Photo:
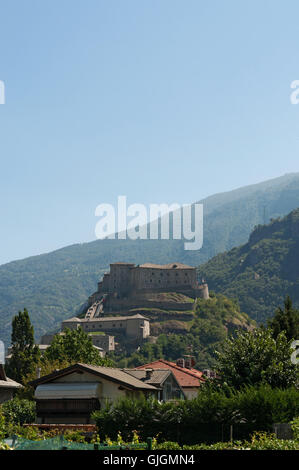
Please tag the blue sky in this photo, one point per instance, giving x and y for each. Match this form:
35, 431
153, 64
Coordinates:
161, 101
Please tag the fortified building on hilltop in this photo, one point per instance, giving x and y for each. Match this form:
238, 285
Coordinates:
127, 290
126, 279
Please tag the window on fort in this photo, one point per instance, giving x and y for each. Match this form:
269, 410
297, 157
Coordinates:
113, 324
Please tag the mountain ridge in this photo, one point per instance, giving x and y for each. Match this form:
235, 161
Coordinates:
52, 286
262, 272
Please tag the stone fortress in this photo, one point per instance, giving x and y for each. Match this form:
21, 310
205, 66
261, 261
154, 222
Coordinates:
113, 308
126, 279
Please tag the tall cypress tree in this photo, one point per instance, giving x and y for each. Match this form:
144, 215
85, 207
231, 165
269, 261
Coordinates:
25, 354
287, 320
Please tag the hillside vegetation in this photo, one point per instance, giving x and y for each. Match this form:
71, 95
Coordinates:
53, 286
203, 332
261, 273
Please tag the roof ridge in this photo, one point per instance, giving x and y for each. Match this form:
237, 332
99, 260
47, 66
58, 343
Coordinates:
174, 365
183, 369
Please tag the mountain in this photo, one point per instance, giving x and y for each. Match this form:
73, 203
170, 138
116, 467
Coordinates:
261, 272
52, 286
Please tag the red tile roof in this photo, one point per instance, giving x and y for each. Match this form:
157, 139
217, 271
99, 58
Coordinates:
185, 377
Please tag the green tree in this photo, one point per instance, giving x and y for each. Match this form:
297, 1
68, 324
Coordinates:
25, 354
19, 411
286, 320
74, 346
256, 357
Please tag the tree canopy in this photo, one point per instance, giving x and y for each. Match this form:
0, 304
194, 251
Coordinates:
74, 346
256, 357
287, 320
25, 354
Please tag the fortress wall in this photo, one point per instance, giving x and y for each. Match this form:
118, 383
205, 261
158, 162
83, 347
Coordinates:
105, 342
126, 279
127, 304
147, 278
137, 329
106, 283
120, 278
133, 327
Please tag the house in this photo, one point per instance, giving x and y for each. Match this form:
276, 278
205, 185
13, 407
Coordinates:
188, 378
163, 379
7, 386
70, 395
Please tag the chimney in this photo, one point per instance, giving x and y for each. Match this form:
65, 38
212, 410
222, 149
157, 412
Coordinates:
189, 361
180, 362
148, 374
38, 371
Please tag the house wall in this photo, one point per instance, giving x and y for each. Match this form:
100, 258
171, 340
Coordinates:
6, 394
171, 389
190, 392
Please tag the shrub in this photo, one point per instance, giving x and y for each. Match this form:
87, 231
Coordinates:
295, 427
168, 445
17, 411
207, 418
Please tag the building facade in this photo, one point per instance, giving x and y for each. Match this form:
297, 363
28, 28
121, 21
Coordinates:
127, 278
134, 326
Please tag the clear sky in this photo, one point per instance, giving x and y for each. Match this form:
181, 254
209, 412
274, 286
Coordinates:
159, 100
